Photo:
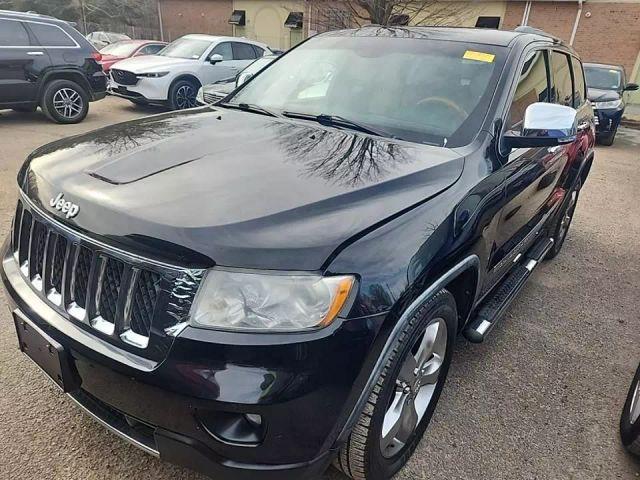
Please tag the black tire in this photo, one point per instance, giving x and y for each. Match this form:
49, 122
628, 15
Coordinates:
563, 221
71, 102
607, 140
25, 109
629, 426
362, 457
182, 94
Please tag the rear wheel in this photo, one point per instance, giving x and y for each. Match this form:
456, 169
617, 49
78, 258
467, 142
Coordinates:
404, 398
565, 217
64, 101
182, 94
630, 419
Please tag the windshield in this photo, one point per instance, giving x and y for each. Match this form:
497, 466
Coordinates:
603, 78
115, 37
190, 48
120, 49
415, 89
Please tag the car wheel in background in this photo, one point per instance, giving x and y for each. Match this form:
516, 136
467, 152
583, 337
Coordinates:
404, 398
64, 101
182, 94
630, 419
565, 216
607, 140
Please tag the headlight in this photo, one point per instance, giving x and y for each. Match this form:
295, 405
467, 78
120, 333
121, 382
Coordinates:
611, 104
268, 302
152, 74
200, 96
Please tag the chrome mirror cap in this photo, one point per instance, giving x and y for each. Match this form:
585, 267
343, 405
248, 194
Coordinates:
544, 125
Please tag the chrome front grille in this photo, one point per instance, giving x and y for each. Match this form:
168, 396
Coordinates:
116, 295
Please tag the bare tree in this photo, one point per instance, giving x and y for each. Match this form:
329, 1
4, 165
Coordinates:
337, 14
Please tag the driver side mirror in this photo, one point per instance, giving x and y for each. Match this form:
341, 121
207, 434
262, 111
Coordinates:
544, 125
631, 87
215, 58
242, 79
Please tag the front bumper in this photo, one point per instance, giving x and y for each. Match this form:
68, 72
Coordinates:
302, 388
607, 120
150, 89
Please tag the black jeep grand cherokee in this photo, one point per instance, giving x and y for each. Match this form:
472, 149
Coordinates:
46, 62
257, 288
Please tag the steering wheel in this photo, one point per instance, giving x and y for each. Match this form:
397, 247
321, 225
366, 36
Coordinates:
447, 103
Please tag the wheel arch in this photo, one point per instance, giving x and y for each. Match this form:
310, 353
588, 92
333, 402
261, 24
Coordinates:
66, 74
463, 278
186, 76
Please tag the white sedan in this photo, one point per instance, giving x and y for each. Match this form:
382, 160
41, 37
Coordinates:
174, 75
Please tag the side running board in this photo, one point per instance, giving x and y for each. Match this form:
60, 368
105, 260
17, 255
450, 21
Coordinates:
493, 307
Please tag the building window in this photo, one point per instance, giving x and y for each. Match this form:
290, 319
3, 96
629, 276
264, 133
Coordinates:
294, 20
488, 22
237, 18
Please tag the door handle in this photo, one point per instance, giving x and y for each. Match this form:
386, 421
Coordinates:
35, 54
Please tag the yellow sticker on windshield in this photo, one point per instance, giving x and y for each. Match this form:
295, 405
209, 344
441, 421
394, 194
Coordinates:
479, 56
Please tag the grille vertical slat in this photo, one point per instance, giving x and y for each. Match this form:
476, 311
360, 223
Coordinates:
80, 281
144, 301
110, 289
15, 240
36, 249
25, 237
57, 262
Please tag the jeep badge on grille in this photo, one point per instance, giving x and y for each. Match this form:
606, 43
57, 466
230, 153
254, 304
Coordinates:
69, 209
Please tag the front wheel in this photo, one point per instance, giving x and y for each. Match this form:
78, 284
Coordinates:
630, 419
182, 94
64, 101
404, 398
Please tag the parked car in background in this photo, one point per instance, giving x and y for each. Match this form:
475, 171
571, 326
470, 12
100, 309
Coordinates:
214, 92
606, 86
46, 62
102, 39
260, 287
117, 51
630, 418
174, 75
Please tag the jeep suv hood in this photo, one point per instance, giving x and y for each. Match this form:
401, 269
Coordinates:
208, 186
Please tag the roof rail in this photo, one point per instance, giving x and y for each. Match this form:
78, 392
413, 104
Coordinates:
30, 13
537, 31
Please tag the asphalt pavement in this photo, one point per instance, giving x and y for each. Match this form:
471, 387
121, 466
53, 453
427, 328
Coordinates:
540, 399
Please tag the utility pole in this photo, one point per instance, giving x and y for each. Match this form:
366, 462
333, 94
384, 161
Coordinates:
160, 21
84, 17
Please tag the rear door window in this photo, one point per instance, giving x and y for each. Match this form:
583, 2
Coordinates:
562, 90
13, 34
533, 86
51, 35
243, 51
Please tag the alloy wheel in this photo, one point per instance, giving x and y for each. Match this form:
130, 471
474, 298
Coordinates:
185, 97
68, 103
415, 387
634, 408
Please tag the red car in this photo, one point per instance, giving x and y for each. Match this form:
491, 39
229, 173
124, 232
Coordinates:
128, 48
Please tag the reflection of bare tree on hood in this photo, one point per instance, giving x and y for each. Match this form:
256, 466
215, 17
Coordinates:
340, 158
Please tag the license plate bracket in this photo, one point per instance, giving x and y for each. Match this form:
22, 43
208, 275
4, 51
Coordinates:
46, 353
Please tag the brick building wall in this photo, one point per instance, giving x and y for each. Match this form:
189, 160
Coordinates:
609, 32
180, 17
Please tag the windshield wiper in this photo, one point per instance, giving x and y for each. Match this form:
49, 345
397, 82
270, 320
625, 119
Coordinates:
338, 121
249, 107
